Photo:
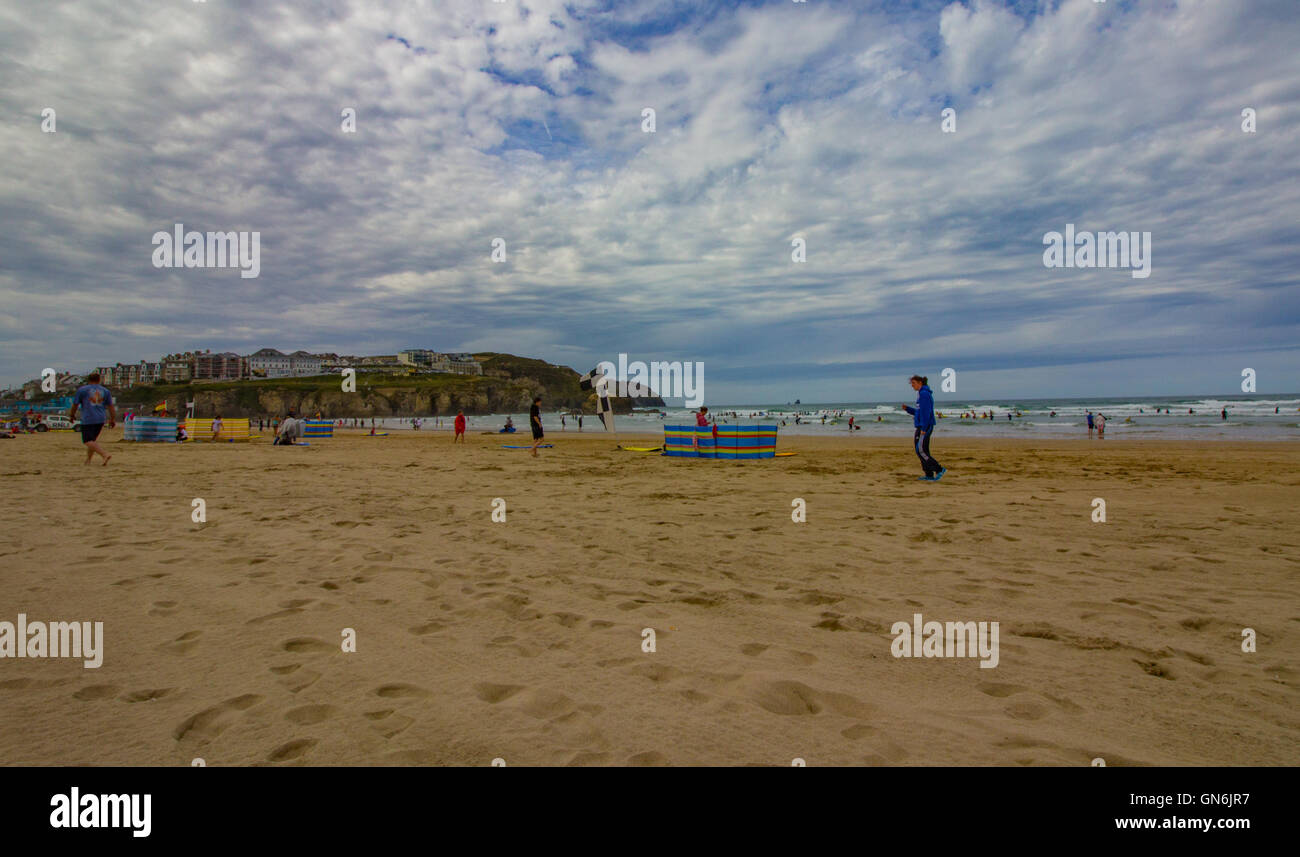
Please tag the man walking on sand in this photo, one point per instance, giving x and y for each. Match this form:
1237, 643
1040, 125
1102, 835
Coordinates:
460, 427
535, 420
94, 401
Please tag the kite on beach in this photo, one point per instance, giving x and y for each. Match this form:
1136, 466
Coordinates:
598, 381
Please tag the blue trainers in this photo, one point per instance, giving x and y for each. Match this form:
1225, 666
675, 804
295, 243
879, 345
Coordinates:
925, 479
939, 475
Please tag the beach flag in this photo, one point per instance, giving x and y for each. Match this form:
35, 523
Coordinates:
597, 380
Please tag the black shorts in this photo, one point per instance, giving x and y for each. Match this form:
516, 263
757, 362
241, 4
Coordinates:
90, 431
538, 434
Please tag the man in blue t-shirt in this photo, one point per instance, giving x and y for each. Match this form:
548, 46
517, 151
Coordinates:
96, 404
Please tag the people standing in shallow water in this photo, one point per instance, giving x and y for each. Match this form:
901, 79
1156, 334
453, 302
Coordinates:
923, 420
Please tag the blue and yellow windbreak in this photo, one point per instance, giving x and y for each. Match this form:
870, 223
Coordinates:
151, 429
733, 442
318, 428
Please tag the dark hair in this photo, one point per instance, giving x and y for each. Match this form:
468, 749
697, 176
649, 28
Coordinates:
536, 399
93, 377
924, 380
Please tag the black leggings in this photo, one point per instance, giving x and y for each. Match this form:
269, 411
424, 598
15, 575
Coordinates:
922, 443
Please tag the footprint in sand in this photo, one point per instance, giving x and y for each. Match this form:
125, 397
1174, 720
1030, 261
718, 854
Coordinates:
278, 614
96, 691
307, 644
211, 722
292, 750
541, 703
146, 695
1025, 710
1000, 690
793, 698
494, 693
658, 673
295, 677
183, 643
388, 723
306, 715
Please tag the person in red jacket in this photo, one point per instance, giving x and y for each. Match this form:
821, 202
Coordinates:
460, 427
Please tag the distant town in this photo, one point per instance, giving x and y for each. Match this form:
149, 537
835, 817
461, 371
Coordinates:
206, 367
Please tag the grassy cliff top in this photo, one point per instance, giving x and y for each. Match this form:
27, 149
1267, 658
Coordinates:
496, 369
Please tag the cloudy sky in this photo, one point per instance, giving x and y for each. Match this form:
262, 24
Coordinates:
523, 120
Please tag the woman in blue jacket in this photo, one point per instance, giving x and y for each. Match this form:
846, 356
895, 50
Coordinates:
923, 419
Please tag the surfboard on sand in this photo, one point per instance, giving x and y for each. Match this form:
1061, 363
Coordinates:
641, 448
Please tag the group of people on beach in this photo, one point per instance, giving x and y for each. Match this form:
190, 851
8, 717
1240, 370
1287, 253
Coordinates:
96, 405
1097, 421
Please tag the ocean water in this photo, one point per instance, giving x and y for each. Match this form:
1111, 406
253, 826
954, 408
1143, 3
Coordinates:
1250, 417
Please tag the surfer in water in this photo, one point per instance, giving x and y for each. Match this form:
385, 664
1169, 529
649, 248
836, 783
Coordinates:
923, 420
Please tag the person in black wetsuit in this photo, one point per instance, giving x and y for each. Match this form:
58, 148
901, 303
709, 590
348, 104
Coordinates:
535, 420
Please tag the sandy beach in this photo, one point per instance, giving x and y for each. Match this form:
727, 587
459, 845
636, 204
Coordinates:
522, 640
